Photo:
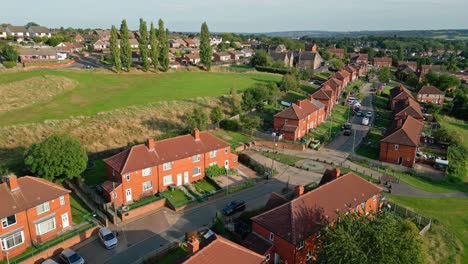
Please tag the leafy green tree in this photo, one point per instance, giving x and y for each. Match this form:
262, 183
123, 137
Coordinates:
235, 101
37, 39
460, 105
250, 124
197, 119
337, 63
325, 54
289, 83
31, 24
216, 115
357, 238
56, 158
125, 47
384, 74
10, 53
261, 58
143, 44
447, 81
431, 78
154, 52
163, 47
400, 54
257, 95
115, 50
451, 63
205, 48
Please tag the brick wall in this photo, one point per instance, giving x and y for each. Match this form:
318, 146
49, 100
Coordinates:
390, 155
151, 207
282, 145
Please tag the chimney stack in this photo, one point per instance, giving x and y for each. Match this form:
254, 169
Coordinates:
12, 183
336, 172
193, 244
196, 134
150, 144
399, 122
300, 103
299, 190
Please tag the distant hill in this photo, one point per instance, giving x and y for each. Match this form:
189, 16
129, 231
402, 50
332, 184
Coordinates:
456, 34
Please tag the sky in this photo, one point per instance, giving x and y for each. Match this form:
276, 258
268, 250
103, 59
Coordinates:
243, 15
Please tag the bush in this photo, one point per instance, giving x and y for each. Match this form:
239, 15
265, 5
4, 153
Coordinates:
260, 169
272, 70
457, 164
9, 64
229, 124
214, 171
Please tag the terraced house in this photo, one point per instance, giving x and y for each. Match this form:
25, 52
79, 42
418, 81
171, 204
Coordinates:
430, 94
150, 168
32, 211
286, 233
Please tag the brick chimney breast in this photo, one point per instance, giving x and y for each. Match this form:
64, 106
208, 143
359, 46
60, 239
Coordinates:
12, 183
299, 190
150, 144
300, 103
193, 245
196, 134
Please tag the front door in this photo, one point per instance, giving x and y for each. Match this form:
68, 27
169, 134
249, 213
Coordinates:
226, 164
128, 194
179, 179
186, 177
277, 259
400, 160
65, 222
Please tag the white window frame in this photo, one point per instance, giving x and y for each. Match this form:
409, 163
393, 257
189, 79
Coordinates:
198, 173
39, 232
5, 221
267, 258
309, 255
114, 195
213, 153
62, 200
301, 245
396, 146
4, 244
45, 208
127, 177
145, 187
146, 172
167, 166
285, 121
272, 236
165, 182
196, 158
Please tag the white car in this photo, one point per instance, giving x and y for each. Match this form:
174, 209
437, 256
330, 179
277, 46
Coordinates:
365, 121
108, 239
71, 257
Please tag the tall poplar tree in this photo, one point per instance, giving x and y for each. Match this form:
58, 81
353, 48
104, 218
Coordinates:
164, 47
125, 48
115, 50
205, 48
143, 44
154, 52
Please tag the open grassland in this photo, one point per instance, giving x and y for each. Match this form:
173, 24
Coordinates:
99, 92
459, 126
452, 214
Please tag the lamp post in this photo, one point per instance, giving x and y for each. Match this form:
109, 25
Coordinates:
227, 179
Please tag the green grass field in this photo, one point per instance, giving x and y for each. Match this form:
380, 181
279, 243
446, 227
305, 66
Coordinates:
96, 175
98, 92
78, 209
283, 158
236, 139
451, 212
453, 124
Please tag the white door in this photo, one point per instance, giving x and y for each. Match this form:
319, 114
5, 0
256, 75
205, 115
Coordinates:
128, 194
186, 177
65, 222
179, 179
226, 164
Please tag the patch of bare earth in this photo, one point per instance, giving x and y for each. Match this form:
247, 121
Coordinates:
33, 90
108, 130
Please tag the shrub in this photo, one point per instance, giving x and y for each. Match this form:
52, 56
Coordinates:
9, 64
272, 70
229, 124
259, 168
214, 171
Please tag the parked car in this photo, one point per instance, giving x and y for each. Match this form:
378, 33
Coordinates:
369, 114
71, 257
365, 121
49, 261
315, 144
347, 132
108, 239
359, 113
233, 207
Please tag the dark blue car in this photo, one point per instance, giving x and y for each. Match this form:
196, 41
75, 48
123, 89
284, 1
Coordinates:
233, 207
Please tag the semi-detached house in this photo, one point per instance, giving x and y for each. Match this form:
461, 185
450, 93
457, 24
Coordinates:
147, 169
32, 211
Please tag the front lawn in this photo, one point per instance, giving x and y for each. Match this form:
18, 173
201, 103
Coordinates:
292, 97
204, 187
176, 197
95, 175
370, 145
79, 210
283, 158
236, 139
338, 119
452, 213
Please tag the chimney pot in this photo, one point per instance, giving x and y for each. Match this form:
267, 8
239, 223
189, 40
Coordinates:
299, 190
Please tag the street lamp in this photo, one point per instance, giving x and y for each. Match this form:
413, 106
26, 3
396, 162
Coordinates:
227, 178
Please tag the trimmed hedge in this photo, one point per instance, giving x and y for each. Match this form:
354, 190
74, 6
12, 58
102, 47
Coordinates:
230, 124
272, 70
257, 167
9, 64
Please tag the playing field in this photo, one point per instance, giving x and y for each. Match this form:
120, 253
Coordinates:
99, 91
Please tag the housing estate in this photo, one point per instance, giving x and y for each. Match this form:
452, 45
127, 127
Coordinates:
39, 31
32, 211
410, 64
383, 62
399, 94
222, 56
339, 53
19, 33
286, 233
430, 94
3, 33
147, 169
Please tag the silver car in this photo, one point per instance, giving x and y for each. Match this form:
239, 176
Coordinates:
108, 239
71, 257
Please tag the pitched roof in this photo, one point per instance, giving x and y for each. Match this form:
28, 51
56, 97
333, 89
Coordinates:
383, 59
139, 157
342, 75
257, 243
224, 251
17, 29
429, 89
32, 192
431, 67
221, 54
275, 200
279, 56
299, 218
409, 63
320, 95
298, 112
408, 134
408, 107
400, 92
47, 51
350, 69
39, 29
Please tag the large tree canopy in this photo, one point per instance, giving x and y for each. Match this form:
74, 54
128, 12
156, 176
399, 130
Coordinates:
56, 158
384, 238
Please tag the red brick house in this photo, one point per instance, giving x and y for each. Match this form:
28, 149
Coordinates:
344, 76
291, 228
150, 168
336, 85
236, 55
410, 64
401, 142
353, 71
383, 62
33, 210
426, 68
220, 250
359, 58
326, 96
297, 120
398, 94
408, 108
430, 94
339, 53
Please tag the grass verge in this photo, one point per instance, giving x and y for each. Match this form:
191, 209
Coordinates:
78, 209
